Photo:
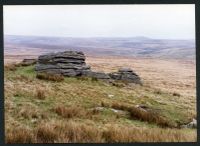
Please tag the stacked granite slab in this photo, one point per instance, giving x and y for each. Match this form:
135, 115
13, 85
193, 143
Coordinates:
126, 74
68, 63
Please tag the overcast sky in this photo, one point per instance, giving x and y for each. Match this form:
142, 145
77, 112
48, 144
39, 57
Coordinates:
155, 21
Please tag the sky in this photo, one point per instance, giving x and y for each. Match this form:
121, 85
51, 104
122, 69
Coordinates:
154, 21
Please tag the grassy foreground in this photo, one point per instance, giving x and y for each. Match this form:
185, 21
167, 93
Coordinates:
86, 110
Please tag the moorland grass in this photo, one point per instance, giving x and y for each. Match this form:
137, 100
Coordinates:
45, 107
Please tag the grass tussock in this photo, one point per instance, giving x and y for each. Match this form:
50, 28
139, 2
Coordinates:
19, 135
22, 78
29, 113
40, 93
94, 79
157, 91
118, 106
69, 132
176, 94
83, 78
144, 115
118, 84
10, 67
46, 133
81, 133
73, 132
149, 116
70, 112
131, 134
50, 77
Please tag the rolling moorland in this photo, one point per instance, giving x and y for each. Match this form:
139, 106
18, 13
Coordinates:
89, 110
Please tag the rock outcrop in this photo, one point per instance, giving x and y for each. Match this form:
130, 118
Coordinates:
127, 75
72, 63
68, 63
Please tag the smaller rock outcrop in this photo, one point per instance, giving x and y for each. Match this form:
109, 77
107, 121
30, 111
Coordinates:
126, 74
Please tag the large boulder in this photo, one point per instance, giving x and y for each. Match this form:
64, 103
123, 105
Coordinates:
127, 75
68, 63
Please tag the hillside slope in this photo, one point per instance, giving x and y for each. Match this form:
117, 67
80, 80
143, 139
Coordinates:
133, 47
87, 110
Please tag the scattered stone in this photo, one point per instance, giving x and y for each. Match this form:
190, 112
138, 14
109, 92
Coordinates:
192, 124
142, 106
114, 110
99, 109
110, 95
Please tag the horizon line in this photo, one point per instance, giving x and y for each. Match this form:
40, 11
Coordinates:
145, 37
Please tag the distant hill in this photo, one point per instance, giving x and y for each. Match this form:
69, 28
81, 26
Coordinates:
132, 46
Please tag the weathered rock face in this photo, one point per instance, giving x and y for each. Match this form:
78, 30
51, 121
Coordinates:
68, 63
126, 74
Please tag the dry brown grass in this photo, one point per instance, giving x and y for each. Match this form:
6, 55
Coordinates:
50, 77
144, 115
10, 67
22, 78
170, 74
19, 90
176, 94
81, 133
150, 116
73, 132
118, 106
70, 112
19, 135
131, 134
40, 93
31, 111
46, 133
